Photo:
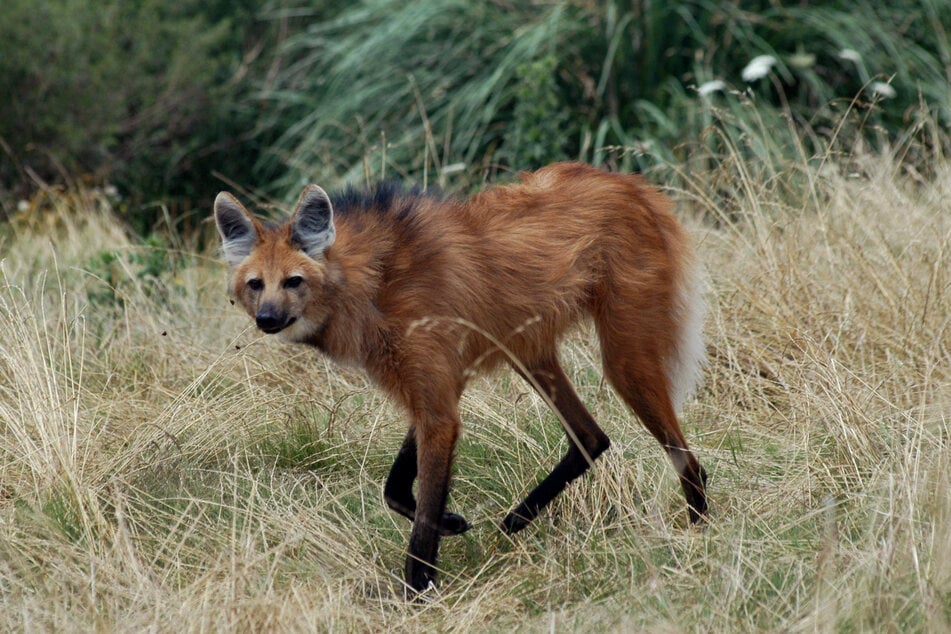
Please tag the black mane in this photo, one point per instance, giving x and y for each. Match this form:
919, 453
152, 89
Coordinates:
389, 197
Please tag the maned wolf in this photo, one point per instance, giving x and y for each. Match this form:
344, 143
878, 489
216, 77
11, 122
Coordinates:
423, 291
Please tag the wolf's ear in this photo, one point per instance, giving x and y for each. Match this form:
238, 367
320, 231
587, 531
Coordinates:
312, 225
238, 231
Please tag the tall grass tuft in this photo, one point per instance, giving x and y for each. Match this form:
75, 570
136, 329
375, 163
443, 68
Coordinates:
385, 87
388, 86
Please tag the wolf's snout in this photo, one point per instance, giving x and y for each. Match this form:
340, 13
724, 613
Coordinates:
271, 320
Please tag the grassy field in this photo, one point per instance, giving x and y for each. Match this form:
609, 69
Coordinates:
165, 468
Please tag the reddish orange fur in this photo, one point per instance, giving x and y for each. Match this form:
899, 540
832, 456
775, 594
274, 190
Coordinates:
518, 265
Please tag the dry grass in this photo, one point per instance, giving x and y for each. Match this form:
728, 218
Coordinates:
164, 468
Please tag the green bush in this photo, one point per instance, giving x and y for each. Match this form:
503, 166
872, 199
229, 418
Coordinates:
539, 118
175, 100
139, 92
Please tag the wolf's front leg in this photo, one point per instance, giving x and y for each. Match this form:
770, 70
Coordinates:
436, 437
398, 491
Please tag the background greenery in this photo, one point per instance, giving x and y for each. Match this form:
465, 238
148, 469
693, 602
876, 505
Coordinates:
171, 101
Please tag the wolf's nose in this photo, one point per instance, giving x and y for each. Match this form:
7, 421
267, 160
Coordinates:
269, 320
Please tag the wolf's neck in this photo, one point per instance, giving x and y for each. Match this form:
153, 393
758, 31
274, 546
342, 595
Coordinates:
353, 330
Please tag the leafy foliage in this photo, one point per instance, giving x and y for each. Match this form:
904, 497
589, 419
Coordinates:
167, 100
539, 120
141, 93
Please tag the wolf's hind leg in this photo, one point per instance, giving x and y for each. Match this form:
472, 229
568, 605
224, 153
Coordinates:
586, 441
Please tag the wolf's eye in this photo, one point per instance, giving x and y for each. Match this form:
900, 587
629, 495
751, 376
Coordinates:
255, 284
293, 282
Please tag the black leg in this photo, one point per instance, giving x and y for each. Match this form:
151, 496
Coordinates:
436, 444
398, 491
587, 442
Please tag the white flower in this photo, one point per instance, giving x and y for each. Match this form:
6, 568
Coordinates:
709, 87
881, 89
23, 205
850, 54
758, 67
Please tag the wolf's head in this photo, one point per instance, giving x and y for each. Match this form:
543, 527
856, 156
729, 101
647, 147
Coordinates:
279, 274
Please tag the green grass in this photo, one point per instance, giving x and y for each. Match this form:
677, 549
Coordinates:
264, 96
164, 467
386, 88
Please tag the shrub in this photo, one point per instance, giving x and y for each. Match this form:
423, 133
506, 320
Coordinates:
142, 93
167, 100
